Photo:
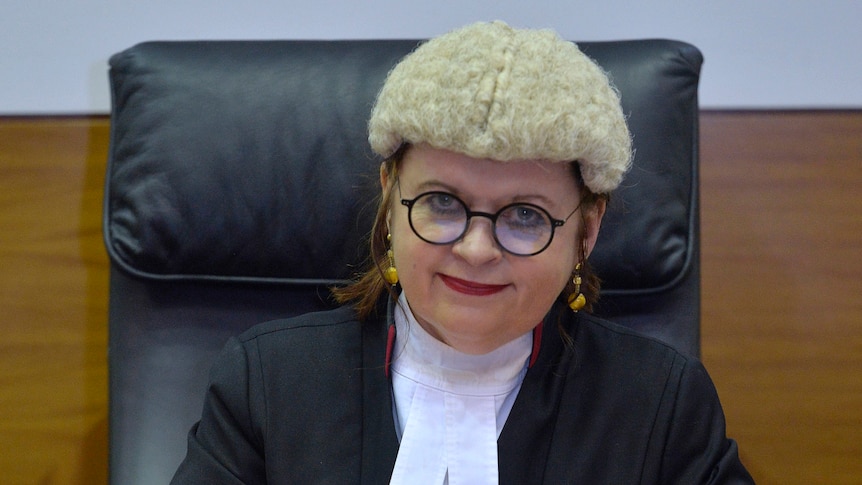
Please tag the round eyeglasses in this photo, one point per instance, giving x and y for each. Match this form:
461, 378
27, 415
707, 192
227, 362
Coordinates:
521, 229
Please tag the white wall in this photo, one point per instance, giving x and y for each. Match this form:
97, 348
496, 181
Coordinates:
759, 53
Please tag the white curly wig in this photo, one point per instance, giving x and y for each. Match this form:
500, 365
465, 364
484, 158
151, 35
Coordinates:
491, 91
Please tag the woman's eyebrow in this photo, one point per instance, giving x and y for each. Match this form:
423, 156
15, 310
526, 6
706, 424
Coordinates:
533, 198
434, 184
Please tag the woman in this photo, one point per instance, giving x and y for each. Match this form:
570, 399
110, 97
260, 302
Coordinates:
466, 353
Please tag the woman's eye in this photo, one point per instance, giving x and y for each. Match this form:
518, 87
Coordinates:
442, 203
441, 200
524, 216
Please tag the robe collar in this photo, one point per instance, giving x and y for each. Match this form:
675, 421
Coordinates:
392, 332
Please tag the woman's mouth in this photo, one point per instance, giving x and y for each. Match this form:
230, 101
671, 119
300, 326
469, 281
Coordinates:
471, 287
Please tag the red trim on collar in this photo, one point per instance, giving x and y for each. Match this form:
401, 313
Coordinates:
390, 342
537, 343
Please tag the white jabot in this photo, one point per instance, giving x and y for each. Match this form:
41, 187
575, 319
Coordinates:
450, 407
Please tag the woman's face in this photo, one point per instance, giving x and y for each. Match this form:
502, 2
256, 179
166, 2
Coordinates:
471, 294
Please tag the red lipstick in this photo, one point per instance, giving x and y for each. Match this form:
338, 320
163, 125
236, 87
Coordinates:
470, 287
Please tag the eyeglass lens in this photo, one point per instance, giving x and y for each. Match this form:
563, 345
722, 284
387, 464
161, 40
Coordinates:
442, 218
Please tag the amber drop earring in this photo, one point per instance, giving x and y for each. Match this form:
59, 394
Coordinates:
577, 301
391, 273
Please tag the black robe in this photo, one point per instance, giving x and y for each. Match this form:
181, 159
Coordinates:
308, 401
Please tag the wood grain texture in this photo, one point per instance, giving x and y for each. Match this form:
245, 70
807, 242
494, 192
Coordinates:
782, 275
782, 278
53, 307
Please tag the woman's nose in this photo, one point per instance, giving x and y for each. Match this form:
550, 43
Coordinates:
478, 246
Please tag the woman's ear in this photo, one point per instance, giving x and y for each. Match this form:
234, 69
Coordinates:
385, 186
592, 224
384, 177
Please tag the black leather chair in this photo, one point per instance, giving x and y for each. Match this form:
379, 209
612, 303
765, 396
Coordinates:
238, 189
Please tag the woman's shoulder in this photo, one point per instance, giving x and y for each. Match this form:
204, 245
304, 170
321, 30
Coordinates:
599, 335
626, 397
327, 342
335, 320
606, 351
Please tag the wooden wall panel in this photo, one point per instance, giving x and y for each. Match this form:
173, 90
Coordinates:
782, 275
782, 279
53, 307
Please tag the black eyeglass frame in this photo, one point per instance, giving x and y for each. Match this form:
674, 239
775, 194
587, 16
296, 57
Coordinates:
555, 223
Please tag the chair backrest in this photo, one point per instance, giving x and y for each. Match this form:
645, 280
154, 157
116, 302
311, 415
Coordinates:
239, 188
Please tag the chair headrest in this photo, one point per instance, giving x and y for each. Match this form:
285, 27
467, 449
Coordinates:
248, 160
